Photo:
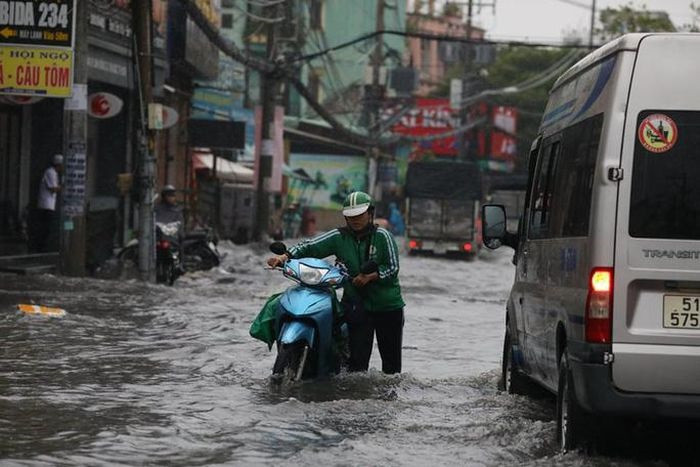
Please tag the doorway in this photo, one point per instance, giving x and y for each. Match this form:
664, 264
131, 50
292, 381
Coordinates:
11, 220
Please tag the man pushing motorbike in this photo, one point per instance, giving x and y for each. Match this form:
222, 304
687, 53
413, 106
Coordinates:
371, 301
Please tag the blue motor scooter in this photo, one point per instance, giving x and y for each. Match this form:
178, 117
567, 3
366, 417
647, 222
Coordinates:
306, 317
310, 334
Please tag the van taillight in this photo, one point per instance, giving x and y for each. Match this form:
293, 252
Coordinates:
599, 306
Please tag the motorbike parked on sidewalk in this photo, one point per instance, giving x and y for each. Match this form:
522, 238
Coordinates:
306, 320
200, 252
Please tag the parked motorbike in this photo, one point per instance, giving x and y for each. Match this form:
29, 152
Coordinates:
310, 334
200, 252
168, 261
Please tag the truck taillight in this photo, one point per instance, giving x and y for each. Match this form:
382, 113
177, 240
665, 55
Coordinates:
599, 306
413, 244
467, 247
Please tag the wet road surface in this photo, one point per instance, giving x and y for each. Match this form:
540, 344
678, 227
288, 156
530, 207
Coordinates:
146, 374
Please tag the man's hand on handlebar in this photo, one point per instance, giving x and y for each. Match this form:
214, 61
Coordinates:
277, 261
362, 280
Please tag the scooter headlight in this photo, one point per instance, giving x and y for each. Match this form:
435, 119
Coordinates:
311, 276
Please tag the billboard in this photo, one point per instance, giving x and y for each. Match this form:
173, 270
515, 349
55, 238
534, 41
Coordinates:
37, 23
331, 179
424, 118
36, 71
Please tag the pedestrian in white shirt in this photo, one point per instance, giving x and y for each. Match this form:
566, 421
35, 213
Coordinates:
46, 218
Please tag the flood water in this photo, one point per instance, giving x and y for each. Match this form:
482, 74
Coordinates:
146, 374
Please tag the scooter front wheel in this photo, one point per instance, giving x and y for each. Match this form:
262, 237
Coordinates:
292, 360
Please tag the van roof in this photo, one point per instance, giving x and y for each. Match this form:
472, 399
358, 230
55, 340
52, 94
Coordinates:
626, 42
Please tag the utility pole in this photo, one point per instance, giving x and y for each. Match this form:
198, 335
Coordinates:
72, 218
465, 151
269, 95
142, 11
375, 99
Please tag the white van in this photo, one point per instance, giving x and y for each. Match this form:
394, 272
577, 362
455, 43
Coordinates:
605, 308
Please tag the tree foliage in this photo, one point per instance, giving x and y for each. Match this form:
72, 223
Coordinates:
618, 21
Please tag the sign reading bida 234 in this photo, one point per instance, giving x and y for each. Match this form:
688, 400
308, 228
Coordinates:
37, 23
36, 47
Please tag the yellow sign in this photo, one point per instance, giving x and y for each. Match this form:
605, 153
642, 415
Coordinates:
36, 71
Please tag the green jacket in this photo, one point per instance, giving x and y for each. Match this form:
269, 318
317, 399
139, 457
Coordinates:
380, 295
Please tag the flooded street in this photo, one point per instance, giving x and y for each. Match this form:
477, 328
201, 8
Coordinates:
137, 374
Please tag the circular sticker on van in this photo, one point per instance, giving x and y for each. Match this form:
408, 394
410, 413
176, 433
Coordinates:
658, 133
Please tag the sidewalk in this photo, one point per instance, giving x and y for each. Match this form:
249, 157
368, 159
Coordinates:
40, 263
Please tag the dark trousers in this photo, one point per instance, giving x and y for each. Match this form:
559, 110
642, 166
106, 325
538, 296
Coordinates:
45, 233
388, 325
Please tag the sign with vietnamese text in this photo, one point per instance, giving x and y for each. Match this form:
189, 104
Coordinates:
37, 23
74, 182
35, 71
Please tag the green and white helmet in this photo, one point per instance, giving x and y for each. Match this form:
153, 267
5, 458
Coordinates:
356, 203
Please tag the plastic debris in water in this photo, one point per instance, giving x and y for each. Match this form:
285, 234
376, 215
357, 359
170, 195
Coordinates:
41, 310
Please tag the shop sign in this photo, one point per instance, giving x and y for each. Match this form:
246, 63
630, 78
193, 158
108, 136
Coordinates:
104, 105
170, 116
161, 117
37, 23
35, 71
428, 118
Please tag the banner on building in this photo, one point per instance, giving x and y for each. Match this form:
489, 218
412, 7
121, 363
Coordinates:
330, 179
424, 119
38, 23
36, 71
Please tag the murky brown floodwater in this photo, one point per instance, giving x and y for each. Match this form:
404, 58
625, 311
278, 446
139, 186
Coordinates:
138, 374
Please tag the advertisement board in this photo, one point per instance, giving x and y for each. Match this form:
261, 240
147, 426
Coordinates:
37, 23
427, 117
331, 179
36, 71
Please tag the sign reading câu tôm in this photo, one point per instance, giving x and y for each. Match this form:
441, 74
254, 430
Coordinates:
39, 23
36, 71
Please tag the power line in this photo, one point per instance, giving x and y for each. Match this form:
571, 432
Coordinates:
437, 37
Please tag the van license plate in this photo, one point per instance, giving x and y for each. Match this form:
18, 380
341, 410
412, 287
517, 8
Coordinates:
682, 311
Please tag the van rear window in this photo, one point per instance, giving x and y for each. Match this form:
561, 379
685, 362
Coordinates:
666, 176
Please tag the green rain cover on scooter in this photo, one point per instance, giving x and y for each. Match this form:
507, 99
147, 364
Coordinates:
263, 327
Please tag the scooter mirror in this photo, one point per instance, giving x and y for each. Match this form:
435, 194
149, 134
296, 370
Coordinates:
369, 267
278, 248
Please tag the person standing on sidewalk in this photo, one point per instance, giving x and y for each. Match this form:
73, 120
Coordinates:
46, 221
372, 302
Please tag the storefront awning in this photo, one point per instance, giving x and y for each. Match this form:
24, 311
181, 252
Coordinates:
225, 169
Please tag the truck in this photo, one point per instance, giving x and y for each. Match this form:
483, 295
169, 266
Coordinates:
442, 206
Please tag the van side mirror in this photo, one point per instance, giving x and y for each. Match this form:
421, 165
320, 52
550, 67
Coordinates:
278, 248
493, 225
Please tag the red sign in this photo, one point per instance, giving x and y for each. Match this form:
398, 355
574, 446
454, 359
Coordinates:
504, 146
425, 118
104, 105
